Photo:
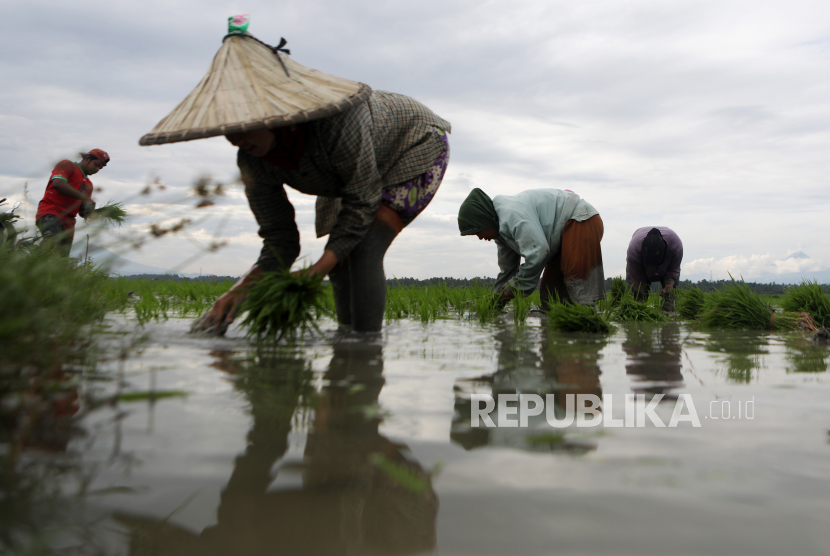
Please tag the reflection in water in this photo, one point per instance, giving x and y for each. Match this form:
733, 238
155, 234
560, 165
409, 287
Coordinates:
653, 358
360, 493
555, 364
805, 356
742, 352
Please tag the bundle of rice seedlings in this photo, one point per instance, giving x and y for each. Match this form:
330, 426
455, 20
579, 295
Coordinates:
573, 317
690, 303
112, 213
281, 304
628, 309
808, 297
618, 289
736, 307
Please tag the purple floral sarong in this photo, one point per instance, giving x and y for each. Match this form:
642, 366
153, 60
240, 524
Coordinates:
411, 197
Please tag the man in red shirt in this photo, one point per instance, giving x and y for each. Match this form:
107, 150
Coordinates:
68, 193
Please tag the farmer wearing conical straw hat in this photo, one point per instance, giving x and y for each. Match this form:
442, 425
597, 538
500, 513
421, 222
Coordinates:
374, 159
556, 232
654, 255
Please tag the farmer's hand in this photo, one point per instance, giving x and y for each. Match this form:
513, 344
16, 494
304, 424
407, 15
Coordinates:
505, 297
221, 315
322, 266
667, 289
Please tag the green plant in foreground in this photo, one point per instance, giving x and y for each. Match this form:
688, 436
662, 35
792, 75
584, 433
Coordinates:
282, 304
736, 307
573, 317
808, 297
690, 303
46, 303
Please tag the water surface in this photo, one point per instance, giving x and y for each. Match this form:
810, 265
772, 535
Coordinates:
348, 444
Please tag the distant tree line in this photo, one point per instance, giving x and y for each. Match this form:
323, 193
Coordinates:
176, 278
450, 282
704, 285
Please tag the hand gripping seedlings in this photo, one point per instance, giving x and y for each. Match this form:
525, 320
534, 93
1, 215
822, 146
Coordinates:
112, 213
282, 304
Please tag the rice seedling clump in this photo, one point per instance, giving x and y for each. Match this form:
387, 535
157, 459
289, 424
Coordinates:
282, 304
628, 308
112, 213
736, 307
617, 290
690, 303
808, 297
573, 317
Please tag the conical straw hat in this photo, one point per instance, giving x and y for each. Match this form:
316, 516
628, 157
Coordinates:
251, 86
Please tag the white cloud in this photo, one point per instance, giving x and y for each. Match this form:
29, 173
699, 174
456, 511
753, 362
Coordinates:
710, 117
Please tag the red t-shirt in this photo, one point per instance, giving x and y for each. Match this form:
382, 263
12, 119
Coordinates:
59, 204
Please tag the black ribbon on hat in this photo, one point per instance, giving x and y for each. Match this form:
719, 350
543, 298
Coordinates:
275, 49
279, 48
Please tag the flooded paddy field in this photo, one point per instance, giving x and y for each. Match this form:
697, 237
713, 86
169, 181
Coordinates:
355, 444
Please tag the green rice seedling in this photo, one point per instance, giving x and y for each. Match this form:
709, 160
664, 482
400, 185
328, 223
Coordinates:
486, 305
521, 307
110, 214
628, 309
808, 297
458, 300
690, 303
397, 303
282, 304
574, 317
618, 289
736, 307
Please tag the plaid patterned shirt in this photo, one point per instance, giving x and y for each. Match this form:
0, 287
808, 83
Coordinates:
347, 161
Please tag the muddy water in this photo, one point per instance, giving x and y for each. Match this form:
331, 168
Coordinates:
364, 445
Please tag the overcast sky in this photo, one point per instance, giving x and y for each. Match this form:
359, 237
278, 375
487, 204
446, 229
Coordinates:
710, 117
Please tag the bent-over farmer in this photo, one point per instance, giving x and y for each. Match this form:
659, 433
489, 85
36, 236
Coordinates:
556, 232
374, 160
654, 255
68, 194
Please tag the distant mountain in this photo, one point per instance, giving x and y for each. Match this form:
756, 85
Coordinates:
799, 255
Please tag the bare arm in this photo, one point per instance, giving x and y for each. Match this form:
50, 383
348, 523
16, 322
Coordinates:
62, 187
223, 312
